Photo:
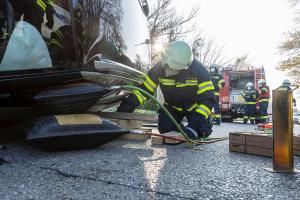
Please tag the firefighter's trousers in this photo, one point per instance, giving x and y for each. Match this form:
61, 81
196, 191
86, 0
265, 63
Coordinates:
217, 110
250, 109
264, 103
195, 121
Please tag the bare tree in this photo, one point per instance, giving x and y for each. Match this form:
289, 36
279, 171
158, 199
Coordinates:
164, 22
291, 48
207, 51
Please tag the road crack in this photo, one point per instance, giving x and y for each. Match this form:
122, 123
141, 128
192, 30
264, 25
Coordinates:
75, 176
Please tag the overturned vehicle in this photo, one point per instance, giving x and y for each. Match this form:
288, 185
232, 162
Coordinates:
58, 63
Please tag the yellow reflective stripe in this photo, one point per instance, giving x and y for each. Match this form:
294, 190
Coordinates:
167, 81
59, 34
185, 84
169, 84
148, 79
205, 86
179, 109
264, 100
148, 87
202, 109
264, 117
217, 93
56, 42
218, 116
41, 4
220, 83
252, 118
139, 95
191, 81
188, 82
50, 2
245, 117
251, 103
172, 82
149, 84
192, 107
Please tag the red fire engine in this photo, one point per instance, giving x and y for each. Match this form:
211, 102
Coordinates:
231, 100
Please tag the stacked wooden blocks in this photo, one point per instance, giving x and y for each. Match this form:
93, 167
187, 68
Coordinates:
128, 124
256, 144
157, 140
136, 135
132, 121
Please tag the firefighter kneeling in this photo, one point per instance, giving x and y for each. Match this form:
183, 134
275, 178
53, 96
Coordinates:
187, 89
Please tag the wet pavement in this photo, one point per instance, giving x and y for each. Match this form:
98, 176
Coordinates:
134, 170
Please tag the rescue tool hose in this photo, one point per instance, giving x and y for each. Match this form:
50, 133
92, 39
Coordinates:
164, 109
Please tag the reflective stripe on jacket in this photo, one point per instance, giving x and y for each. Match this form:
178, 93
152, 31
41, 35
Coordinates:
189, 90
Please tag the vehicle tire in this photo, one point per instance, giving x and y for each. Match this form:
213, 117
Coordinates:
69, 99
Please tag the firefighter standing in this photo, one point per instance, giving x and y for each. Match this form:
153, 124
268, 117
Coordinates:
264, 96
219, 83
250, 95
187, 88
286, 86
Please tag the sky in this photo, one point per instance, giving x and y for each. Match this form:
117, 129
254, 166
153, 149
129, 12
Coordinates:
253, 27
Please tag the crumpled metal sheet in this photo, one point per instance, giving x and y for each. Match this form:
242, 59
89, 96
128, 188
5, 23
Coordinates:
118, 69
106, 79
109, 74
112, 99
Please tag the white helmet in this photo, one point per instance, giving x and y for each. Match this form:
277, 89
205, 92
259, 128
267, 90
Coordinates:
213, 69
261, 82
178, 55
286, 82
249, 84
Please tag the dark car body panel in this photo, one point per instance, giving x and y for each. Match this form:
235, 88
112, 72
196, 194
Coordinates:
114, 30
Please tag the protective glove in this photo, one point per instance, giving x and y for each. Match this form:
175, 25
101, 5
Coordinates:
126, 107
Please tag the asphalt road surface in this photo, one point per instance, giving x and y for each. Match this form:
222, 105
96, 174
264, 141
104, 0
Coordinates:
125, 169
